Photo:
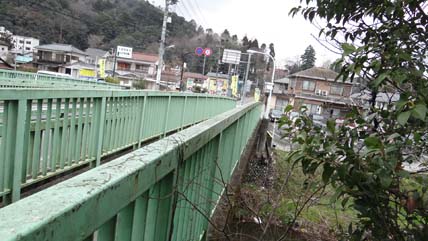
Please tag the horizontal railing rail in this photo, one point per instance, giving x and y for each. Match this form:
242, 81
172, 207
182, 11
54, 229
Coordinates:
164, 191
19, 79
44, 133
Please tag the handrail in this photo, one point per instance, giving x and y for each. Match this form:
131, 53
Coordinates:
45, 132
164, 191
10, 78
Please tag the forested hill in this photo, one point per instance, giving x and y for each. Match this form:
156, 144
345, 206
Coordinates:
107, 23
95, 23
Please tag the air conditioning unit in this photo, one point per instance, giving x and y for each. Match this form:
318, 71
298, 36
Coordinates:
324, 93
318, 92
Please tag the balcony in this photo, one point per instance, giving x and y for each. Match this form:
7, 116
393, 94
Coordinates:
345, 100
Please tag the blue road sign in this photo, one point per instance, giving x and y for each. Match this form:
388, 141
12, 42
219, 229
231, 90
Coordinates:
199, 51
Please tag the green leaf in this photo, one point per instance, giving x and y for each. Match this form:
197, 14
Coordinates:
331, 125
385, 181
403, 117
420, 111
288, 108
328, 171
348, 48
379, 79
372, 142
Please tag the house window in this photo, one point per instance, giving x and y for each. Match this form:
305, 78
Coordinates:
28, 42
123, 66
336, 90
27, 48
21, 41
142, 68
313, 109
321, 92
308, 85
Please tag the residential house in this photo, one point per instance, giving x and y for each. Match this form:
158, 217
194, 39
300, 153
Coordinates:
54, 57
194, 79
5, 65
98, 58
383, 99
80, 70
280, 94
317, 89
141, 66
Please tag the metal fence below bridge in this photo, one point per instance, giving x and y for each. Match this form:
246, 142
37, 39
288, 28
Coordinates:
164, 191
44, 133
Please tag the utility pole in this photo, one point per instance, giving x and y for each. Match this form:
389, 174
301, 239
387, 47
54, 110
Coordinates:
162, 45
114, 62
203, 67
246, 79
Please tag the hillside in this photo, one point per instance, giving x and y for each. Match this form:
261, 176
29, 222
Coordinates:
95, 23
108, 23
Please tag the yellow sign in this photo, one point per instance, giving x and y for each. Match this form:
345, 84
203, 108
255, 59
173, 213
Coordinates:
212, 85
87, 73
234, 85
257, 95
102, 71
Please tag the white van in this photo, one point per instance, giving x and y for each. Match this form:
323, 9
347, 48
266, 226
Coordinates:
56, 74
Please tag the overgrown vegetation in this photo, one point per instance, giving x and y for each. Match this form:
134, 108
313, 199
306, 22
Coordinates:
294, 206
113, 80
139, 84
384, 43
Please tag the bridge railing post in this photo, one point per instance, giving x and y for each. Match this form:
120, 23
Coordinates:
101, 120
15, 113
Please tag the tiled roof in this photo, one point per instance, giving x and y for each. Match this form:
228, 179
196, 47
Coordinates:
194, 75
317, 73
218, 75
96, 52
145, 57
61, 47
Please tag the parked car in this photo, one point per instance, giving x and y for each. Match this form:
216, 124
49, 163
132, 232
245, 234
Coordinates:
275, 115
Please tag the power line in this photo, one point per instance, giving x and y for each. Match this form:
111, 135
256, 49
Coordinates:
201, 13
192, 15
196, 13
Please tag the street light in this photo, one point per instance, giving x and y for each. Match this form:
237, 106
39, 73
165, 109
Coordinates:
250, 51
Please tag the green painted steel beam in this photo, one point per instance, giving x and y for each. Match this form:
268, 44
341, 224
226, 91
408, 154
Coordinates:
76, 208
15, 94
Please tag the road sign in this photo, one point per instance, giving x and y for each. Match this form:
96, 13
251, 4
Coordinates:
208, 52
199, 51
231, 56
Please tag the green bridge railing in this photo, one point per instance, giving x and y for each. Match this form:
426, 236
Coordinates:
44, 133
19, 79
164, 191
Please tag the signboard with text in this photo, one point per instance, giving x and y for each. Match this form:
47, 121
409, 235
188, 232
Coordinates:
231, 56
124, 52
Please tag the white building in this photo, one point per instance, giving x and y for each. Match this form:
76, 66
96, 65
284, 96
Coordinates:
24, 44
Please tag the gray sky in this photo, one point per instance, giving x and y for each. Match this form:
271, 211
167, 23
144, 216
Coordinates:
266, 20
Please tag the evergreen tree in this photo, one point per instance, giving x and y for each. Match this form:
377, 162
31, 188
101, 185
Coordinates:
308, 58
254, 44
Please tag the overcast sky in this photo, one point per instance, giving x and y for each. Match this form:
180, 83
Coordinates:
266, 20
